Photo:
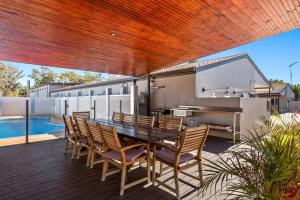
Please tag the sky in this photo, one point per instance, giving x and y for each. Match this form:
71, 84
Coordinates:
272, 55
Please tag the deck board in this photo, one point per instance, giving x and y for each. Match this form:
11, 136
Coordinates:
40, 170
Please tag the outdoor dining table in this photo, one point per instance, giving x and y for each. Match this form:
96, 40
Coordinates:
141, 133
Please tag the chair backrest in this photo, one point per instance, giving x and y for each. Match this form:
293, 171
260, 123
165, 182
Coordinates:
172, 123
193, 139
143, 120
110, 137
82, 127
128, 118
70, 129
117, 117
95, 132
83, 115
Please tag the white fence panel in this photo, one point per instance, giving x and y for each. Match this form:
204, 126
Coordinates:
119, 103
43, 106
62, 106
84, 103
100, 106
57, 106
72, 105
16, 106
12, 106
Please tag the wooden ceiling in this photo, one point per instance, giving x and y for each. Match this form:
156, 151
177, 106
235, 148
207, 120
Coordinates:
134, 37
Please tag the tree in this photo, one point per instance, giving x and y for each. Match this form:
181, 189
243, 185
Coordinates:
43, 76
23, 91
72, 77
276, 81
90, 77
296, 89
9, 79
69, 77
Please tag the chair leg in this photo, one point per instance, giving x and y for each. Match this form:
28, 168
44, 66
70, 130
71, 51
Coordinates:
78, 151
66, 145
148, 164
88, 159
123, 179
154, 169
104, 170
176, 183
92, 160
74, 150
200, 172
161, 168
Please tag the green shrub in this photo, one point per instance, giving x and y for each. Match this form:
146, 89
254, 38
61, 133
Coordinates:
267, 169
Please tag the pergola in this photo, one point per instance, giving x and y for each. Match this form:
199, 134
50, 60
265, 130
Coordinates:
135, 37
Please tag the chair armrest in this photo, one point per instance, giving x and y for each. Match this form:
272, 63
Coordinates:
142, 145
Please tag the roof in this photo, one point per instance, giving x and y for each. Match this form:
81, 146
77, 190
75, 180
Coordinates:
277, 88
93, 84
177, 69
192, 67
63, 83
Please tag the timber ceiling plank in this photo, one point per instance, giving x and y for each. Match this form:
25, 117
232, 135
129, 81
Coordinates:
135, 37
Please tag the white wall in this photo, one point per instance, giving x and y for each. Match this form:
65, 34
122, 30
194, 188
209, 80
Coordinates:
236, 74
98, 90
254, 114
180, 90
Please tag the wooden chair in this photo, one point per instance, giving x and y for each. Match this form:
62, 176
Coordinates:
71, 136
96, 143
181, 158
147, 121
122, 157
171, 123
83, 115
84, 140
117, 117
128, 119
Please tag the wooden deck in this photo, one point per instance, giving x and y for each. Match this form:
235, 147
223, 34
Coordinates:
41, 170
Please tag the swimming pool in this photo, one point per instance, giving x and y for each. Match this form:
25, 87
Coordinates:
37, 125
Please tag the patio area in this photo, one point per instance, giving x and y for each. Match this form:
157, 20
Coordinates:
41, 170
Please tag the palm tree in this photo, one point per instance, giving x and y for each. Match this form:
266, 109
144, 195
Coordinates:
264, 167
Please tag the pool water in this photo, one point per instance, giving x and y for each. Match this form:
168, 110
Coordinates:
37, 125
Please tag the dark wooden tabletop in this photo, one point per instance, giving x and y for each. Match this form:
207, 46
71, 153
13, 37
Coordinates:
145, 134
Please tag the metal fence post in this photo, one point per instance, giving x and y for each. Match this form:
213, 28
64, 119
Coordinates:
66, 106
94, 108
27, 122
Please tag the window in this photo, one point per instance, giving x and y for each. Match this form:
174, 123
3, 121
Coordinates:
79, 93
